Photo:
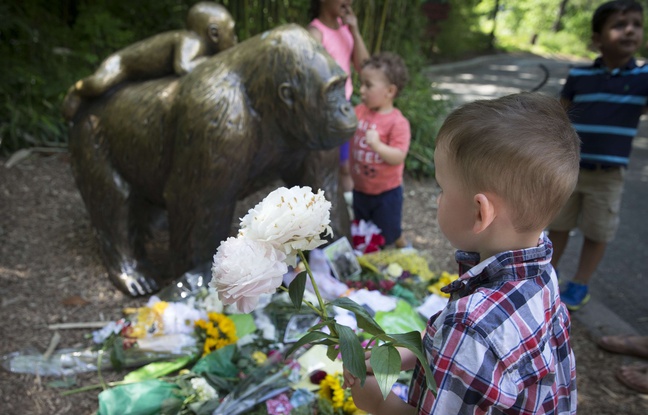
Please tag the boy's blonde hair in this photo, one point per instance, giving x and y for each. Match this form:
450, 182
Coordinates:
521, 147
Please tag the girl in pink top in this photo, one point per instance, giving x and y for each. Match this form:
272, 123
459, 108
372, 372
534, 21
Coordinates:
336, 27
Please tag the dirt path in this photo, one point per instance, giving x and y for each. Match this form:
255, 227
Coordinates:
50, 272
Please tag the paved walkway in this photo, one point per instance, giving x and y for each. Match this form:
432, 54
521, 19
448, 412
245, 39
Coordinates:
619, 288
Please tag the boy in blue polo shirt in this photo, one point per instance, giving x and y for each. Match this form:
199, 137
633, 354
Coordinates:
604, 101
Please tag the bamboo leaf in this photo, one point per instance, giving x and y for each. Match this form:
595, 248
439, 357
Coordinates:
412, 341
352, 352
386, 363
365, 321
296, 289
311, 337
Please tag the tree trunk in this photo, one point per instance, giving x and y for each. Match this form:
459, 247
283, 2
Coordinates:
557, 26
491, 40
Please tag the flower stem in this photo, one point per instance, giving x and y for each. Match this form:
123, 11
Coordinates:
315, 288
100, 386
308, 303
101, 379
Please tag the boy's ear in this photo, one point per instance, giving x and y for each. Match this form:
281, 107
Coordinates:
485, 212
392, 90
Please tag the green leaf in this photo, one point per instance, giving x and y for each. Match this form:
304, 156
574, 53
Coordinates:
353, 356
117, 357
218, 362
296, 289
386, 364
244, 324
333, 351
412, 341
365, 321
311, 337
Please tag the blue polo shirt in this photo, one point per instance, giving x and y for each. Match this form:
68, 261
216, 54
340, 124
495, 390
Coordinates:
605, 111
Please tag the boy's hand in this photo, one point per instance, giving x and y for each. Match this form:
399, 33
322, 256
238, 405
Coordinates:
372, 138
349, 379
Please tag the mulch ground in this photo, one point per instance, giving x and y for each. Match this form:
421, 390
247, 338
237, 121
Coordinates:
50, 272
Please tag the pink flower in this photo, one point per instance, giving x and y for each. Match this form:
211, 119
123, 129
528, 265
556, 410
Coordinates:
279, 406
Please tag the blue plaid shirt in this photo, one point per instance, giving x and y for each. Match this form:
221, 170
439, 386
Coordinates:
501, 345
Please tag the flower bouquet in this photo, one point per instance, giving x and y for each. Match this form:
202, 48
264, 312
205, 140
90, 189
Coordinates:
157, 331
271, 237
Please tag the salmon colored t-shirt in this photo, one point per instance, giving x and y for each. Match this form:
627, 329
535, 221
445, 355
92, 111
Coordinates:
371, 174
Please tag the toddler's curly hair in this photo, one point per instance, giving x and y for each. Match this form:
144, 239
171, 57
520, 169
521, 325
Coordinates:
392, 66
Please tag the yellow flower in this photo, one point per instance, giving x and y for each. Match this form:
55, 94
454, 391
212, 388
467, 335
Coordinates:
159, 307
259, 357
220, 331
148, 321
331, 389
445, 279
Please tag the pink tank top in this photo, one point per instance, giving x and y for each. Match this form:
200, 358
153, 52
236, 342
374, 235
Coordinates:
339, 44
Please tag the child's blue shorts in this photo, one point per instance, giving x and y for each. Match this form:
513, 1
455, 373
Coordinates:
385, 210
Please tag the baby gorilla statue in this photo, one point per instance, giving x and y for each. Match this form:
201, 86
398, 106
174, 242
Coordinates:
210, 30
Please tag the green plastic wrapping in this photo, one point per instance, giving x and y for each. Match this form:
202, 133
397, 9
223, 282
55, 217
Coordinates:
402, 319
142, 398
157, 369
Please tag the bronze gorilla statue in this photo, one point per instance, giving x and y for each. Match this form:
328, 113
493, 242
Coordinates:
210, 29
182, 151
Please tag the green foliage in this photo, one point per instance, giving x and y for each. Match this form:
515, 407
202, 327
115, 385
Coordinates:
425, 115
461, 32
47, 46
39, 65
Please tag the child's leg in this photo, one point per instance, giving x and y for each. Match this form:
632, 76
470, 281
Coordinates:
362, 206
110, 73
566, 220
388, 215
601, 205
559, 240
591, 255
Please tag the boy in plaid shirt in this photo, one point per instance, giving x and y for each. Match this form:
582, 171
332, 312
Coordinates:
501, 345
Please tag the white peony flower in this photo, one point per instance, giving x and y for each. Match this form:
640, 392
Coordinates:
211, 303
290, 219
244, 269
204, 390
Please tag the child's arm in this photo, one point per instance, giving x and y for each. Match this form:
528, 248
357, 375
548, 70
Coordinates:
369, 397
390, 155
408, 359
360, 53
189, 52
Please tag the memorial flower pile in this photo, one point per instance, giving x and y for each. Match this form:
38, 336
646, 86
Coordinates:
272, 235
228, 350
